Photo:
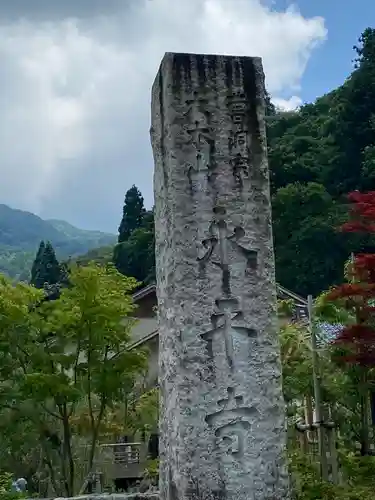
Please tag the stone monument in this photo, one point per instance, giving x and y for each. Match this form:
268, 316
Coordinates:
222, 423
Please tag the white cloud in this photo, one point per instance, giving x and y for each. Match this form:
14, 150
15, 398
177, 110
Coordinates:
75, 97
290, 104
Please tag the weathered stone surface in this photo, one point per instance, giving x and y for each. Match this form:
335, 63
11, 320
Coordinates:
222, 427
116, 496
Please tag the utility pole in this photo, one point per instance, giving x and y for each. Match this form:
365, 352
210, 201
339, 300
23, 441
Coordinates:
322, 423
319, 419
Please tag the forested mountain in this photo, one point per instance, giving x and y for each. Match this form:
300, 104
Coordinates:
77, 236
21, 233
317, 155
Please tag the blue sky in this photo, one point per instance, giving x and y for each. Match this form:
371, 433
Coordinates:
331, 63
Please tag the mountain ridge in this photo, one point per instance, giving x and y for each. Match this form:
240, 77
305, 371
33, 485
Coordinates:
21, 232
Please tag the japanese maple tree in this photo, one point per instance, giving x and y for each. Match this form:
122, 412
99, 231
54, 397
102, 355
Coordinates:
355, 343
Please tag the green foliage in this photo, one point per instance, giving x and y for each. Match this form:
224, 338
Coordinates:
101, 255
66, 359
92, 239
296, 361
16, 263
37, 262
330, 312
5, 488
145, 411
305, 218
137, 413
339, 389
20, 450
88, 328
132, 215
358, 485
134, 255
46, 268
335, 312
24, 229
316, 156
5, 482
21, 233
152, 470
285, 308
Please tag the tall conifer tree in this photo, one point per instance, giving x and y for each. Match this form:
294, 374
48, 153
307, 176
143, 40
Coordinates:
134, 255
132, 215
46, 268
37, 261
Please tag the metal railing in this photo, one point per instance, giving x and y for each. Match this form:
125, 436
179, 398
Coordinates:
123, 459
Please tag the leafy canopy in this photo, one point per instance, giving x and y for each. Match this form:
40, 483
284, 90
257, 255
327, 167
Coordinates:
67, 357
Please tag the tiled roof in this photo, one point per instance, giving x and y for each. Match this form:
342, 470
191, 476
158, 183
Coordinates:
328, 332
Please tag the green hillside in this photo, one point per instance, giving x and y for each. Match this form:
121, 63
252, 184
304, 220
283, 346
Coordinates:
100, 255
21, 233
97, 238
317, 155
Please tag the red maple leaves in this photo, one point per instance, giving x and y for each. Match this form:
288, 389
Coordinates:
357, 341
362, 213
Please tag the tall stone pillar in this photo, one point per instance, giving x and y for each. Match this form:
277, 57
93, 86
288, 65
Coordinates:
222, 426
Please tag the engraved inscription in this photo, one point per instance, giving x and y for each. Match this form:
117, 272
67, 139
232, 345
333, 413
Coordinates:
218, 238
233, 438
201, 137
238, 109
228, 321
219, 360
238, 143
239, 150
201, 172
231, 422
240, 169
221, 238
271, 475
